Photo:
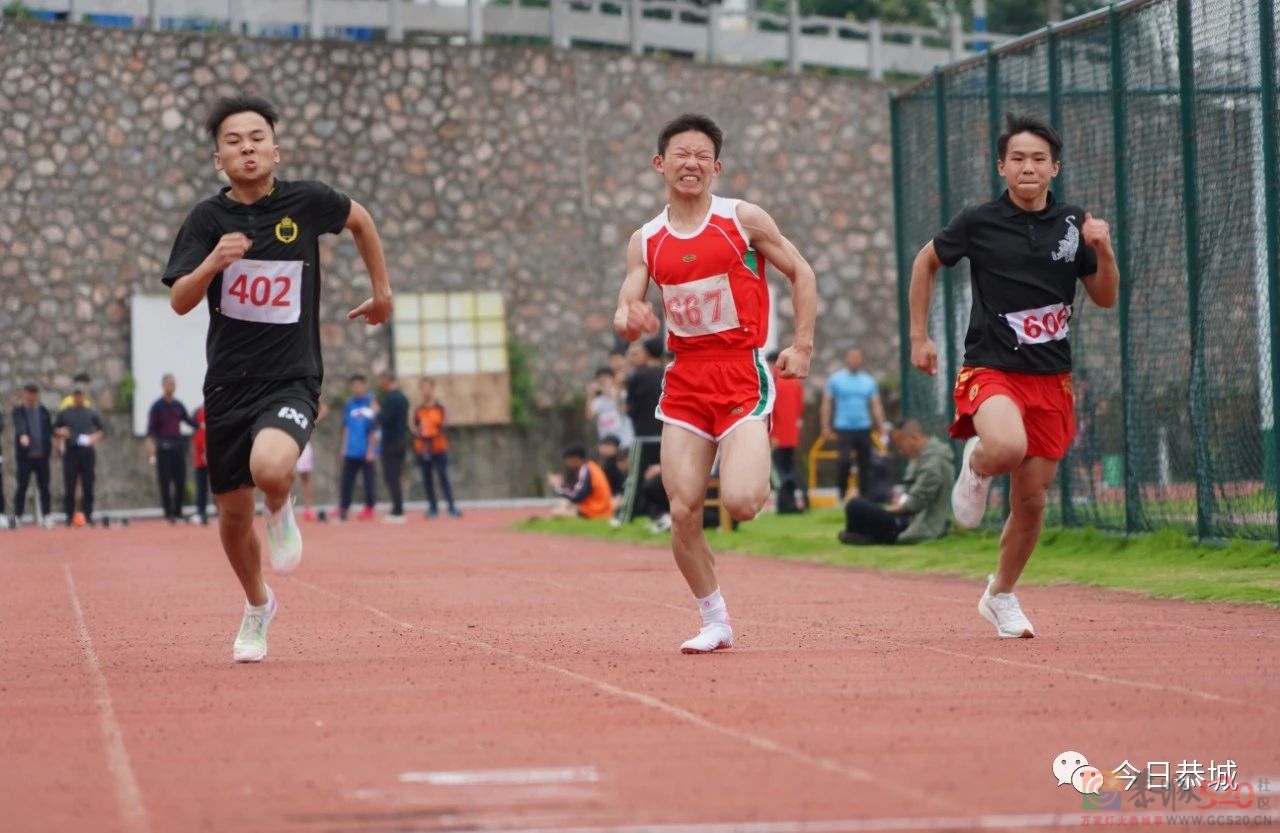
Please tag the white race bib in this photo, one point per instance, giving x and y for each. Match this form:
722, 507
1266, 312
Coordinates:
266, 291
701, 307
1042, 325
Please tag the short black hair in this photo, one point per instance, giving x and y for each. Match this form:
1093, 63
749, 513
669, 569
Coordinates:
575, 450
82, 376
687, 122
654, 347
909, 424
603, 371
358, 377
610, 439
1015, 124
242, 102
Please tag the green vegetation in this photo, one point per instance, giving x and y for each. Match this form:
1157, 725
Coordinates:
1165, 564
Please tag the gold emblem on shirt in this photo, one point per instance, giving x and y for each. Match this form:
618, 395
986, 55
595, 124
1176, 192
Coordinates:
286, 230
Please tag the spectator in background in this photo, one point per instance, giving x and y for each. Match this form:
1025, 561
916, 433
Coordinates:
393, 422
359, 447
431, 442
167, 447
604, 405
614, 464
200, 460
618, 365
644, 389
83, 381
32, 448
851, 410
921, 513
4, 513
784, 434
80, 429
589, 495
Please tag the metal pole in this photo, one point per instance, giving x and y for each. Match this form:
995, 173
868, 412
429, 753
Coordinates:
1120, 223
635, 17
793, 37
713, 33
1191, 207
475, 22
903, 255
1271, 169
559, 34
980, 24
315, 25
944, 214
875, 49
956, 28
395, 21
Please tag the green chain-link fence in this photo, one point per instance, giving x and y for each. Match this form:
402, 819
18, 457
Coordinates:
1167, 110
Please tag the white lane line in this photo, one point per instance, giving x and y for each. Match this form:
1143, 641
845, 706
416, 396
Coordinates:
133, 815
762, 743
466, 778
987, 822
1065, 672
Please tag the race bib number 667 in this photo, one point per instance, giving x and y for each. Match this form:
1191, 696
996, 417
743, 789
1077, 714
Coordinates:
1041, 325
265, 291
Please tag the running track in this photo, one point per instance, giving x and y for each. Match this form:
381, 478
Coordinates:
543, 673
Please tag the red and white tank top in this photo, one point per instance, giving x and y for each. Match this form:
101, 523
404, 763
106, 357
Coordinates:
714, 294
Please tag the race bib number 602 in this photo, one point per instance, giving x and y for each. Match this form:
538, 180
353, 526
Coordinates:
265, 291
1041, 325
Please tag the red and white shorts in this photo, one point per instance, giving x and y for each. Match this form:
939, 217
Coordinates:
711, 392
1047, 404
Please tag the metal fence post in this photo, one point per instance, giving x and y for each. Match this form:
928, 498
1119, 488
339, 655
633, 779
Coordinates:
955, 27
475, 22
559, 34
1191, 205
903, 254
1128, 401
875, 49
1271, 170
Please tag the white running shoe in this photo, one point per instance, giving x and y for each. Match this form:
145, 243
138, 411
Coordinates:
284, 539
969, 495
713, 637
251, 641
1003, 611
393, 519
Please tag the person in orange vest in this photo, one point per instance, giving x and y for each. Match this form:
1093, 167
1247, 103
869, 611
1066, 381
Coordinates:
431, 444
589, 495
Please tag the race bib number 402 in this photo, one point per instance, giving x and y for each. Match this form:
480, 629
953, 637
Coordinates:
1042, 325
265, 291
701, 307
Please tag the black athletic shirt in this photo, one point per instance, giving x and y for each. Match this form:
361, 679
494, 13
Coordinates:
1023, 268
264, 310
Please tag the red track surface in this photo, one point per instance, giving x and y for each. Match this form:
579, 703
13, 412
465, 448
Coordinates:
855, 698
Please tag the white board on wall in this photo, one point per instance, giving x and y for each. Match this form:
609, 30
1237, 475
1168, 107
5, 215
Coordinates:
164, 342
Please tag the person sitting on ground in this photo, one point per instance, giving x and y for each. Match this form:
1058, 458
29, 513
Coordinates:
921, 513
589, 496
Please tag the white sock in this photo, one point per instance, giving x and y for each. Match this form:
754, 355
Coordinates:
713, 609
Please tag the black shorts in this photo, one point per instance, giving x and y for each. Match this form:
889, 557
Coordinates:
235, 412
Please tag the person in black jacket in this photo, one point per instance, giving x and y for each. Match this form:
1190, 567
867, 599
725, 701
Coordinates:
80, 428
32, 448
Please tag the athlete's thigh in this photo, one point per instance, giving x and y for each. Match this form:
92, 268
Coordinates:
686, 464
745, 458
999, 419
274, 448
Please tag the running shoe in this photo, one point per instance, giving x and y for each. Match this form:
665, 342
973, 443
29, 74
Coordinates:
1003, 611
284, 539
393, 519
713, 637
251, 641
969, 495
366, 514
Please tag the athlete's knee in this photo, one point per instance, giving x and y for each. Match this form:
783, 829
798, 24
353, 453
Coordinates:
273, 476
1029, 506
685, 510
1001, 454
236, 513
744, 503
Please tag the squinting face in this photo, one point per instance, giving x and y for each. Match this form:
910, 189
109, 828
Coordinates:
247, 150
1028, 167
689, 165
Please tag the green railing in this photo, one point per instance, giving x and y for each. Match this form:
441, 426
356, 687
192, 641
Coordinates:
1167, 110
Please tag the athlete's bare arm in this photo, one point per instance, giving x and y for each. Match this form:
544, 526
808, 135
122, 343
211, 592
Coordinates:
634, 316
924, 274
377, 308
1103, 285
793, 362
189, 290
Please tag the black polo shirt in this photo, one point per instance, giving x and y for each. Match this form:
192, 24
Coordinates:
264, 310
1023, 269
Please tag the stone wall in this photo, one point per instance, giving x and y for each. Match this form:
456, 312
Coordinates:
522, 170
